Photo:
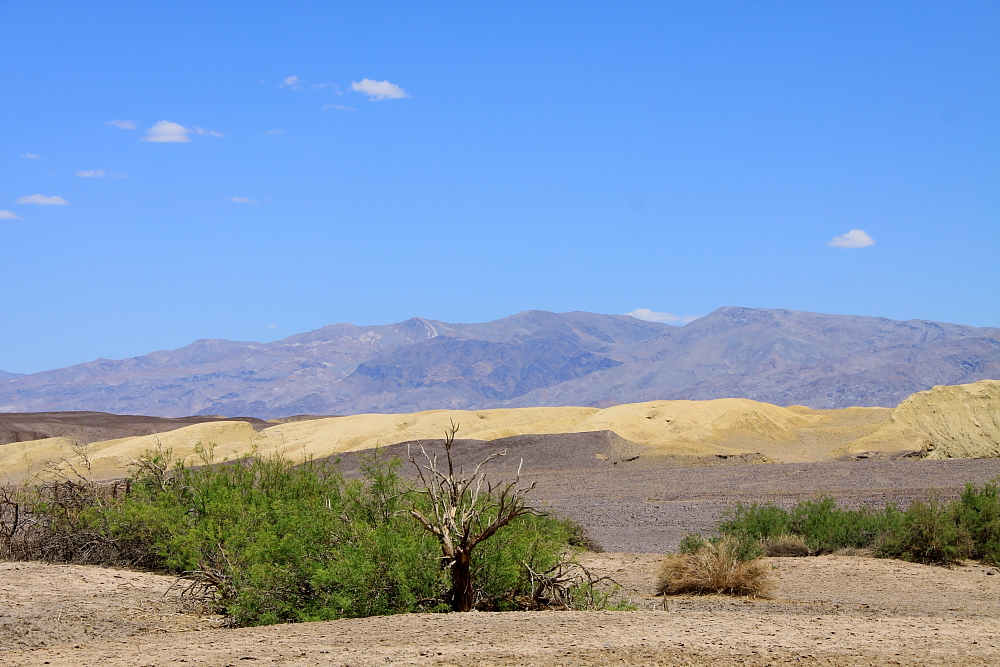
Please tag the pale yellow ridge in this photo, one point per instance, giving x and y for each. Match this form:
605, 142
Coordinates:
944, 422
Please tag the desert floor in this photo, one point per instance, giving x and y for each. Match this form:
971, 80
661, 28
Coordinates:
828, 610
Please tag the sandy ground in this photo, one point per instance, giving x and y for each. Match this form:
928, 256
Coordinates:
830, 610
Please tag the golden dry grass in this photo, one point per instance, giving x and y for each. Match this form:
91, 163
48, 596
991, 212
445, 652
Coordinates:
715, 568
786, 546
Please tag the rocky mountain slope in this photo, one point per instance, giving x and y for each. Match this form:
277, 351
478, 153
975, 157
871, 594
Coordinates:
534, 358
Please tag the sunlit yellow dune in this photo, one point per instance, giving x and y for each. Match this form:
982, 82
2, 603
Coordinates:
944, 422
959, 421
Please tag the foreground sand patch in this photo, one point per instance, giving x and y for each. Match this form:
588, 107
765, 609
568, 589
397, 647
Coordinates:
832, 611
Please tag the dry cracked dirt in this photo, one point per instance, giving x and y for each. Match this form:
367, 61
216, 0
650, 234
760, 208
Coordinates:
827, 610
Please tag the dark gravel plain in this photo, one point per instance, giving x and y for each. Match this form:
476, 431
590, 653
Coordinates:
633, 503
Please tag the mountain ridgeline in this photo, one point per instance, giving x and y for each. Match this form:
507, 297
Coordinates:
534, 358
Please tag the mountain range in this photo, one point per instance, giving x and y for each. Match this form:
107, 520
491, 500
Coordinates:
534, 358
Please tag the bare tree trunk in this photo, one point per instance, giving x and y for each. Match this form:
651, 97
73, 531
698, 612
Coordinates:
466, 510
461, 582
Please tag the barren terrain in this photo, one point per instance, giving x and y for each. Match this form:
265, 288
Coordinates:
636, 499
829, 610
942, 423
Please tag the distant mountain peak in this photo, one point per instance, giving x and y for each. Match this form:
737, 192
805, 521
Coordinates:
532, 358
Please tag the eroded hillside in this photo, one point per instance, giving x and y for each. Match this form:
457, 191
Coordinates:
945, 422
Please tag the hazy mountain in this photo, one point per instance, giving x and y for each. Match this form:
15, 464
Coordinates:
4, 375
533, 358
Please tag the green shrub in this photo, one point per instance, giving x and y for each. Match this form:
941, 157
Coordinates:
760, 521
272, 541
930, 533
692, 543
979, 512
828, 528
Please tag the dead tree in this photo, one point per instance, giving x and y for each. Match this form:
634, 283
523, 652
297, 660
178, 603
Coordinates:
466, 510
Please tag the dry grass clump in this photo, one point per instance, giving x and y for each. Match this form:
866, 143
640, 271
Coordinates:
788, 545
715, 568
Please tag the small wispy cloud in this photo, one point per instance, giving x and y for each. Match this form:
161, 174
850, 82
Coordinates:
91, 174
242, 200
340, 107
335, 87
666, 318
42, 200
32, 156
275, 132
271, 326
166, 132
293, 82
856, 238
123, 124
378, 90
9, 215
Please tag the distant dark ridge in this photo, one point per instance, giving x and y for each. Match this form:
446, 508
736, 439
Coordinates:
86, 427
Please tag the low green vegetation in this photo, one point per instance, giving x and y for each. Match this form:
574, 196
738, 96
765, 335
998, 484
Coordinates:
265, 540
931, 532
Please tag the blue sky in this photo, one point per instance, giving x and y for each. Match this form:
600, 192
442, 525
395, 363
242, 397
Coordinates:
369, 162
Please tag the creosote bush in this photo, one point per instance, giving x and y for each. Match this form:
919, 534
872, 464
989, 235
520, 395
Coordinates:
932, 532
266, 540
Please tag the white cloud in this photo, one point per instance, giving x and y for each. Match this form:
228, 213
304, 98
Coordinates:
123, 124
666, 318
32, 156
856, 238
275, 132
42, 200
91, 174
9, 215
338, 106
378, 90
242, 200
166, 132
293, 82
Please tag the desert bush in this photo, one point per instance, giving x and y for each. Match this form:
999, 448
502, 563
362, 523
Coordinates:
717, 567
787, 545
827, 527
266, 540
692, 543
930, 533
50, 521
758, 520
979, 513
823, 525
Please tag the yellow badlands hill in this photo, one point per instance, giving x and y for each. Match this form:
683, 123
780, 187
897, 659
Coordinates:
944, 422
